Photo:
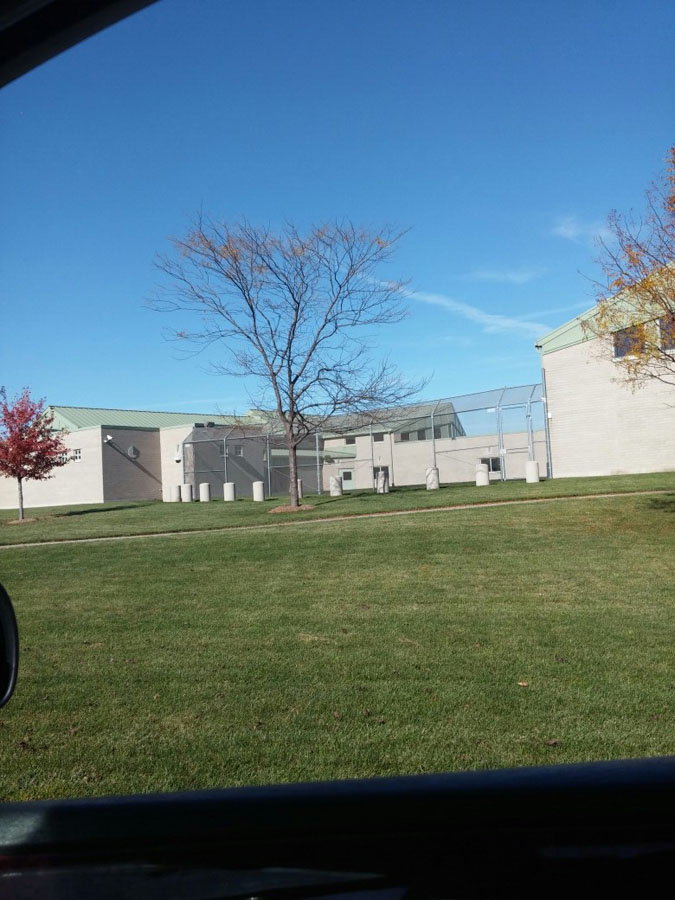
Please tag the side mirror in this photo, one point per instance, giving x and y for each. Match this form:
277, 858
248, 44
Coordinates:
9, 647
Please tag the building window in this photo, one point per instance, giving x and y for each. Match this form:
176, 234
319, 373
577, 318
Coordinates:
350, 440
667, 328
492, 462
405, 436
629, 341
347, 475
421, 434
437, 431
238, 450
377, 438
378, 469
77, 455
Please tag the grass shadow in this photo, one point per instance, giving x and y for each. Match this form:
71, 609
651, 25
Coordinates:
663, 503
107, 509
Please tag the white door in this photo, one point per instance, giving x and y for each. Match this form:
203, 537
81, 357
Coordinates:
347, 476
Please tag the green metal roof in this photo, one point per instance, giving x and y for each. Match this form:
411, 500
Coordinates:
74, 418
566, 335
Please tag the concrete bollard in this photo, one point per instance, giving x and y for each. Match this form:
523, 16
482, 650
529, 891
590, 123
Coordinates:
532, 471
432, 479
186, 493
174, 494
204, 492
382, 483
335, 484
299, 488
482, 475
258, 491
229, 491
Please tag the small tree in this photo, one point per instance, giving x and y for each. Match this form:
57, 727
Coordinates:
635, 313
292, 311
29, 447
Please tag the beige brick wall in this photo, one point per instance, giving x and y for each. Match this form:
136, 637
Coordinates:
76, 482
598, 425
171, 471
131, 478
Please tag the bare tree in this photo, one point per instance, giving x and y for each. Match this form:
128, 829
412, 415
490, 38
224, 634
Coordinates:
635, 313
293, 311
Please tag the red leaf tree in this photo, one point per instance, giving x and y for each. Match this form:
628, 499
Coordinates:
29, 446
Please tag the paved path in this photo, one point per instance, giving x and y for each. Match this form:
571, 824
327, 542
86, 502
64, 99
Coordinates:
327, 519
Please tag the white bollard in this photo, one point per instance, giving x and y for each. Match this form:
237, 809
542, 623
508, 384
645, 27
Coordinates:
532, 471
258, 491
229, 491
204, 492
186, 493
482, 475
174, 493
382, 483
335, 484
299, 488
432, 479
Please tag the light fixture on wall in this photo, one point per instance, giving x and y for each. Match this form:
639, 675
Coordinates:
107, 439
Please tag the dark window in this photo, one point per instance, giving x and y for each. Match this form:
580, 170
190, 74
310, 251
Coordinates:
379, 469
629, 341
492, 462
350, 440
405, 435
437, 431
238, 450
346, 475
378, 437
421, 434
667, 328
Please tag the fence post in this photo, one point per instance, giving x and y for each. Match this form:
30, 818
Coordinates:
372, 456
500, 443
269, 471
318, 463
225, 457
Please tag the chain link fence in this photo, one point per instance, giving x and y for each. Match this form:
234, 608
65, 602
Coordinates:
220, 454
503, 429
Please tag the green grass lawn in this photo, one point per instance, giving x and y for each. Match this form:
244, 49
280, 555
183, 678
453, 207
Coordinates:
147, 517
354, 648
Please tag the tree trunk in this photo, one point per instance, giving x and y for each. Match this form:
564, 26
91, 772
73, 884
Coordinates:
19, 482
293, 473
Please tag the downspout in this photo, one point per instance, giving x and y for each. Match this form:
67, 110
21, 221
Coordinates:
530, 435
318, 463
372, 457
547, 429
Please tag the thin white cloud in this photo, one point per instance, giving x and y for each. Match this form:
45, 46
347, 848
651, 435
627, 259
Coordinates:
558, 310
507, 276
489, 322
571, 228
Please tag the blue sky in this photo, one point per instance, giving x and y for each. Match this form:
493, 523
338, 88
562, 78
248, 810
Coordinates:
499, 133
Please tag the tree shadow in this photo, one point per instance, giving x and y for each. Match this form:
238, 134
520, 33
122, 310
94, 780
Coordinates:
663, 503
87, 512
